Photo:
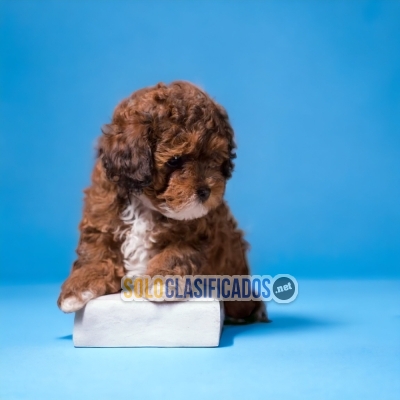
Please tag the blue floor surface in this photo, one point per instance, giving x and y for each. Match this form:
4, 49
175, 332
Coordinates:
338, 340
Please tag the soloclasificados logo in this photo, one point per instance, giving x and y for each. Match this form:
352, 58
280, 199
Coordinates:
281, 288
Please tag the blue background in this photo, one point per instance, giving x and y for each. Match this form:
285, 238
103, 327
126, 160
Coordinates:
313, 92
312, 89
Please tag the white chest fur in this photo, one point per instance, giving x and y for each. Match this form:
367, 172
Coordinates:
136, 248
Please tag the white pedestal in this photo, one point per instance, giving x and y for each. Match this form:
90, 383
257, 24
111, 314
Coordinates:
110, 322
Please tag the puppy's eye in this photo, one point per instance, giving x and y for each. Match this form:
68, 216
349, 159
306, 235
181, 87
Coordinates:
175, 162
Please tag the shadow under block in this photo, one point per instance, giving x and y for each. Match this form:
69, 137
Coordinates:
108, 321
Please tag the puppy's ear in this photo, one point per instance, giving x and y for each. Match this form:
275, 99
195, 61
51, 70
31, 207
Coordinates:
126, 156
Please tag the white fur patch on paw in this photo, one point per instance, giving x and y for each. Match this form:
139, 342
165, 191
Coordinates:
73, 303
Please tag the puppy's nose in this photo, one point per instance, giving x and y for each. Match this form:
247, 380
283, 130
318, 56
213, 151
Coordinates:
203, 193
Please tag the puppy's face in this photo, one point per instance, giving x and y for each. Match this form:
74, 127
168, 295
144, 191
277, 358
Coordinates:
189, 173
173, 147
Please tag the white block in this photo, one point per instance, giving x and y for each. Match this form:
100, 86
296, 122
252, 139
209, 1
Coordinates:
108, 321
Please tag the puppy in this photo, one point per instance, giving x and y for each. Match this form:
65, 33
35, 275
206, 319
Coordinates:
155, 205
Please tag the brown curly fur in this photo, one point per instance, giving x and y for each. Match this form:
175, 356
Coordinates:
148, 129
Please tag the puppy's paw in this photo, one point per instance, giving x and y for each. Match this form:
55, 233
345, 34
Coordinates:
245, 312
260, 313
234, 321
74, 303
176, 288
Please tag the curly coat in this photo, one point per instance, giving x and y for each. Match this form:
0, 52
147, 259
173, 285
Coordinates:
155, 205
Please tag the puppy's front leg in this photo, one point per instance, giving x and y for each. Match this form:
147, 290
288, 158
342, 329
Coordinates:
176, 260
97, 271
99, 267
